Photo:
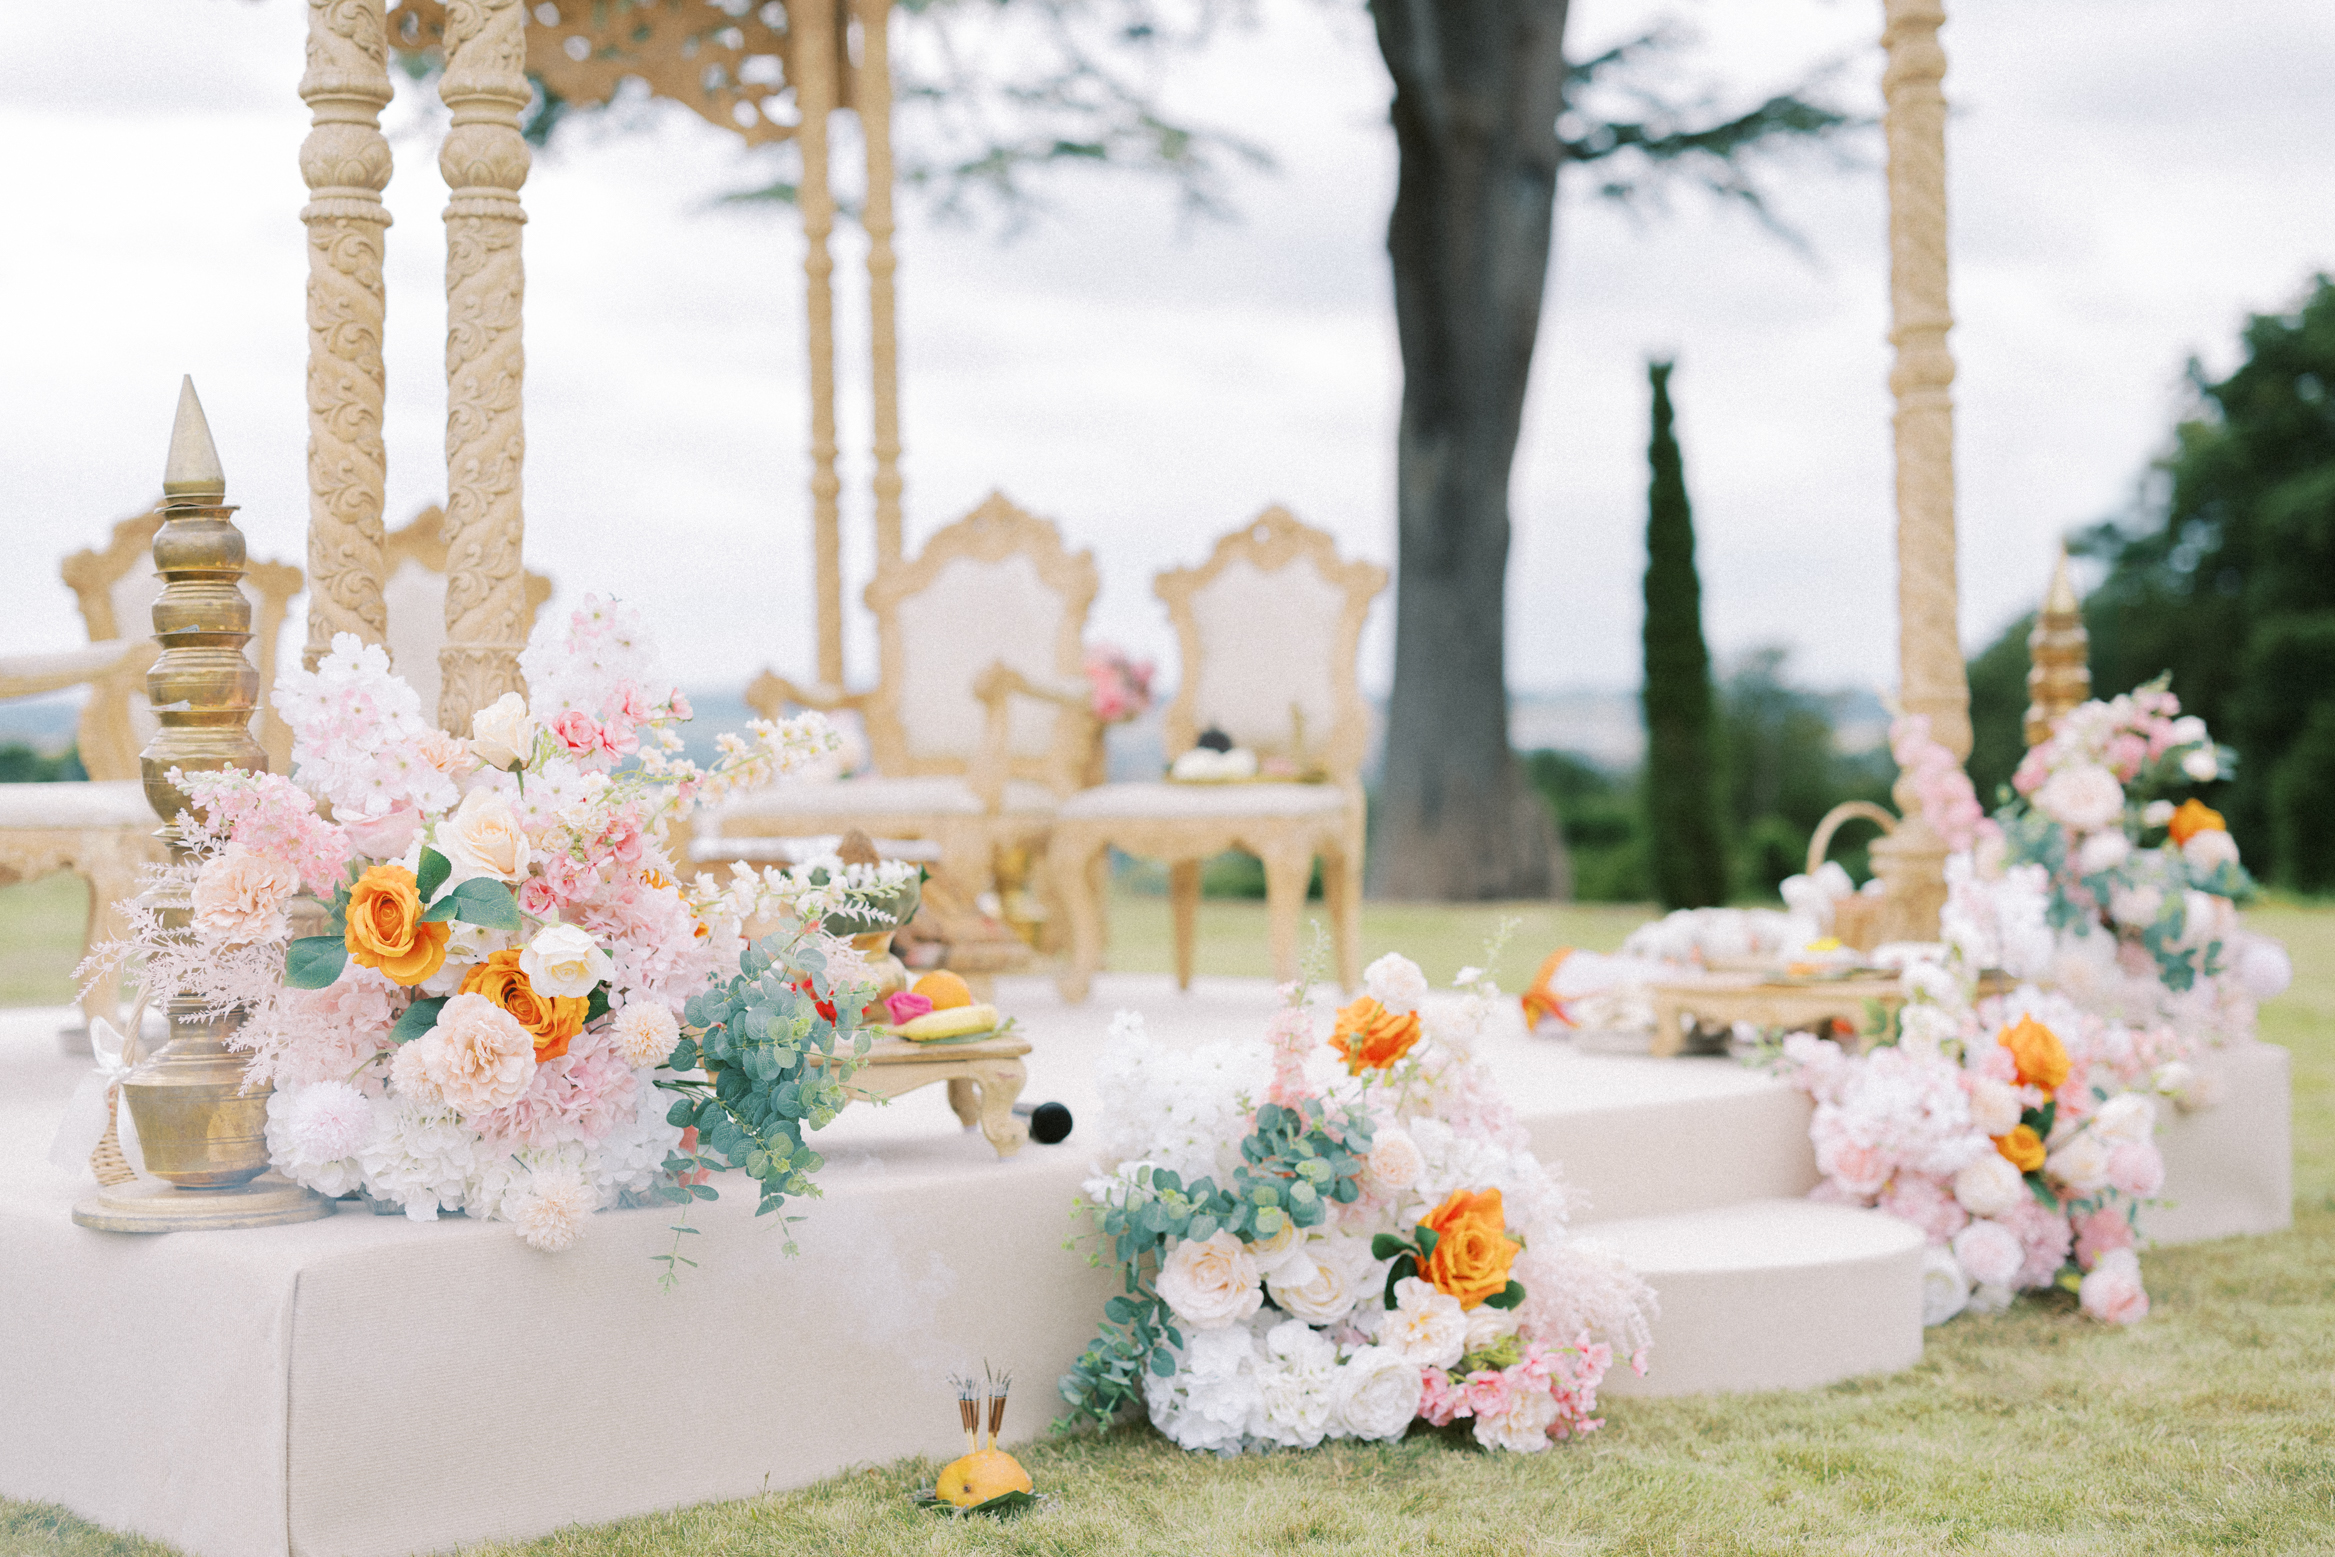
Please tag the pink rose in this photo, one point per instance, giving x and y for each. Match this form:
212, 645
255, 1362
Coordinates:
2137, 1168
577, 732
1488, 1392
1989, 1253
2099, 1233
906, 1005
681, 708
384, 837
1440, 1401
2112, 1293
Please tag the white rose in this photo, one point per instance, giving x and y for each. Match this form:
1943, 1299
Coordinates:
1211, 1283
2137, 907
2210, 850
1989, 1254
2156, 813
1427, 1327
1945, 1290
2263, 967
2205, 917
1330, 1290
1395, 982
2187, 730
503, 734
467, 945
2129, 1116
563, 960
2103, 851
1994, 1106
2202, 765
1989, 1186
1486, 1324
1282, 1255
484, 837
1378, 1394
1395, 1160
2081, 1164
2083, 798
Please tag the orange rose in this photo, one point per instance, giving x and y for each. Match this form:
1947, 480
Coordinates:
2022, 1148
2042, 1061
2194, 817
1541, 1000
1473, 1250
1370, 1037
553, 1019
385, 928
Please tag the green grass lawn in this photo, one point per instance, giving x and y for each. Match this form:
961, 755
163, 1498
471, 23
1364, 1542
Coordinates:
2211, 1427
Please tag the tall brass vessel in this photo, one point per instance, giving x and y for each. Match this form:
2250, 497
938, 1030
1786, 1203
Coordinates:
201, 1130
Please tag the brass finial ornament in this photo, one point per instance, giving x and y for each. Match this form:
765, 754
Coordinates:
2059, 670
200, 1129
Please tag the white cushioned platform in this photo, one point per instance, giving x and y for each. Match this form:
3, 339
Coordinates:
1201, 800
72, 807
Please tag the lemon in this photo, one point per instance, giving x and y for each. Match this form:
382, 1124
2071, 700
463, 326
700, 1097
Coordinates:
980, 1476
945, 990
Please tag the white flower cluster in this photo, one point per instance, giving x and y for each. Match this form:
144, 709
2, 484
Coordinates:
359, 735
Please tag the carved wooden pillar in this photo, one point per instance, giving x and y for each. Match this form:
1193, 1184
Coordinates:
874, 98
484, 161
346, 163
812, 23
1929, 644
1931, 680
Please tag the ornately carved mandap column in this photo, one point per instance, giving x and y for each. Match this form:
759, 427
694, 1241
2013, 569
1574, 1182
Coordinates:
1931, 678
874, 100
346, 164
484, 161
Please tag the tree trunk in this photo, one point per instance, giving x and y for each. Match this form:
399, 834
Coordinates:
1478, 86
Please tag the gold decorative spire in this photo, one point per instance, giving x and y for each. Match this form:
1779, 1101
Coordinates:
191, 476
2059, 673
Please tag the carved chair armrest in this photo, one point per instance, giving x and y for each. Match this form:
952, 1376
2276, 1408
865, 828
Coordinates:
117, 660
770, 694
997, 687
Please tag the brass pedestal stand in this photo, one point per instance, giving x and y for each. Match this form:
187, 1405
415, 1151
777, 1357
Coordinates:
201, 1130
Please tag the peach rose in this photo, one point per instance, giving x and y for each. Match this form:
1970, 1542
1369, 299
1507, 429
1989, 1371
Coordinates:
2022, 1149
2194, 817
2041, 1058
1211, 1283
552, 1019
444, 752
484, 838
1473, 1250
1370, 1037
476, 1060
385, 929
240, 896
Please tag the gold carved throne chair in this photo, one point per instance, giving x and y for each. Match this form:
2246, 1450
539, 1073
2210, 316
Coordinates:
1268, 630
993, 594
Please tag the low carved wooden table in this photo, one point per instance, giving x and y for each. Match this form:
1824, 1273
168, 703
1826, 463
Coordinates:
984, 1076
1809, 1005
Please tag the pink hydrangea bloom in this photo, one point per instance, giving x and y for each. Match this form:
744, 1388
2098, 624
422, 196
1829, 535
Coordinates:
2099, 1232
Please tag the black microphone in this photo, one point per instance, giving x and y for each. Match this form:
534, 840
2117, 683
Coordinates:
1049, 1122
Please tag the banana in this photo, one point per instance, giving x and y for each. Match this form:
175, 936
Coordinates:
955, 1022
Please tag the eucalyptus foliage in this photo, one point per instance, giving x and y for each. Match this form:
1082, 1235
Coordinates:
1298, 1162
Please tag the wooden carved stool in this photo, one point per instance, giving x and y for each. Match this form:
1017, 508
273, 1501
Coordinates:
984, 1076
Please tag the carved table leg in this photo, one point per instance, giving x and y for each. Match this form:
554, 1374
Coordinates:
1000, 1082
965, 1100
1184, 904
1287, 873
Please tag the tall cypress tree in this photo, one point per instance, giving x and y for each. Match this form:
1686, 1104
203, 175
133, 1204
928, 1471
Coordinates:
1686, 845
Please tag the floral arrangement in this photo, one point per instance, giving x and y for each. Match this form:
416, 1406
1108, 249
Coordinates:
1336, 1238
1121, 683
501, 969
2019, 1135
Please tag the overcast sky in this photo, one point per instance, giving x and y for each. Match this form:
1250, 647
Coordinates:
2129, 179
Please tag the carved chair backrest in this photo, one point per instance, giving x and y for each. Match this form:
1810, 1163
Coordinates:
994, 586
116, 589
1270, 622
413, 593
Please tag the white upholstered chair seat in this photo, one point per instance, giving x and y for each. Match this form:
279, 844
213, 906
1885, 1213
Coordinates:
783, 807
1203, 801
121, 803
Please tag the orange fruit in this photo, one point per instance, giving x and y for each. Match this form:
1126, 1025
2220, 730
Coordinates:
980, 1476
944, 989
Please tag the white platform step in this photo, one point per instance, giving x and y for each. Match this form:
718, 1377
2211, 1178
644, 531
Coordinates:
1772, 1294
